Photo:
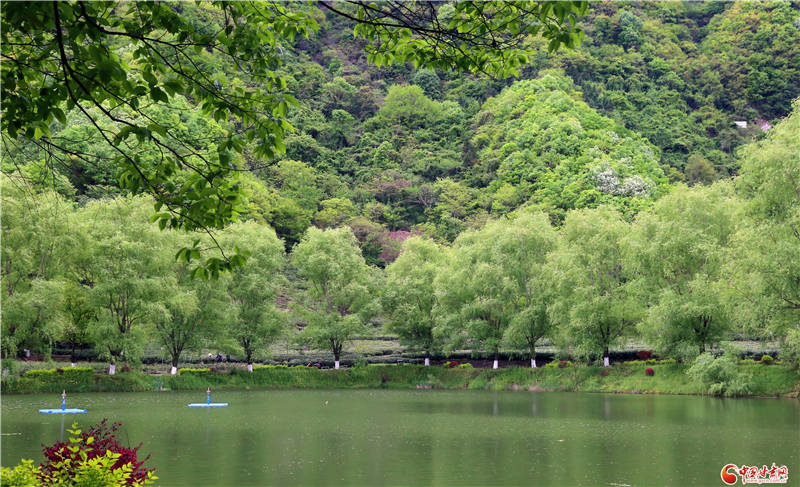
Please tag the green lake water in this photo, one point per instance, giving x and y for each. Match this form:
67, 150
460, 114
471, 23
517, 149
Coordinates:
379, 437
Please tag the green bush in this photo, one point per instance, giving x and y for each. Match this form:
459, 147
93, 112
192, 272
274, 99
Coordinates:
466, 365
23, 475
767, 359
269, 367
719, 376
78, 373
194, 371
42, 374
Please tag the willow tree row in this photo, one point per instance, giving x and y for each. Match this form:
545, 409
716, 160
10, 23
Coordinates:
702, 263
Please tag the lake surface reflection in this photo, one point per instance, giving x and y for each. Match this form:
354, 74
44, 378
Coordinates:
380, 437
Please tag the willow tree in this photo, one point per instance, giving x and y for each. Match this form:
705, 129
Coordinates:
409, 297
680, 249
494, 286
766, 250
36, 241
472, 310
595, 305
340, 293
124, 261
521, 250
190, 314
254, 320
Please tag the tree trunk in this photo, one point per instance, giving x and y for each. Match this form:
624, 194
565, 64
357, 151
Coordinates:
336, 360
533, 358
606, 361
174, 369
250, 367
495, 365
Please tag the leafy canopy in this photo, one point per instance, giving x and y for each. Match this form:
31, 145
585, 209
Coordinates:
109, 60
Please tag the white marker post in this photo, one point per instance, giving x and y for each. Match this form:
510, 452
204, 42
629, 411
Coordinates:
495, 364
427, 361
336, 364
112, 369
173, 371
249, 367
605, 362
533, 363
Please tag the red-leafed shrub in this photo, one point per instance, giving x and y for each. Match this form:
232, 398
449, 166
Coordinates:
125, 368
451, 364
644, 355
604, 373
104, 439
649, 372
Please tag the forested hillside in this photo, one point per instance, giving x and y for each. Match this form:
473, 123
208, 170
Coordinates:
649, 99
630, 136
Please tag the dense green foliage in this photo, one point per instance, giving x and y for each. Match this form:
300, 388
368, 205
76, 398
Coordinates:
459, 211
539, 142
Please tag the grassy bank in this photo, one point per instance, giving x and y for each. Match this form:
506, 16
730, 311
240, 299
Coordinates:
765, 380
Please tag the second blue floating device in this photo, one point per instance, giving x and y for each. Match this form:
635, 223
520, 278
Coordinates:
208, 403
64, 409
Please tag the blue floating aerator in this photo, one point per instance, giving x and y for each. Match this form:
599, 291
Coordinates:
64, 409
208, 403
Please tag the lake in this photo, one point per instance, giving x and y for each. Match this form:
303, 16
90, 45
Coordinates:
385, 437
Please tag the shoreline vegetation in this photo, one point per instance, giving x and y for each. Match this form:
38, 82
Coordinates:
636, 377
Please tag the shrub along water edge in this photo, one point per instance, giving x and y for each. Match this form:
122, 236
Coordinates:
669, 378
